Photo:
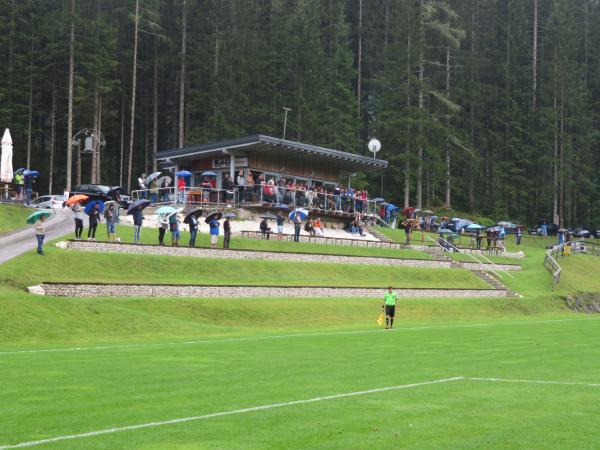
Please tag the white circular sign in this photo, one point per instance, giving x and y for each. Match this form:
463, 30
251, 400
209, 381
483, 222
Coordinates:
374, 145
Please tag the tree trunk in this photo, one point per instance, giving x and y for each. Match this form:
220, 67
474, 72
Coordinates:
30, 112
96, 141
133, 89
217, 48
447, 146
407, 161
122, 139
100, 149
534, 53
359, 73
421, 81
70, 108
11, 60
182, 77
561, 172
555, 217
52, 134
472, 108
155, 108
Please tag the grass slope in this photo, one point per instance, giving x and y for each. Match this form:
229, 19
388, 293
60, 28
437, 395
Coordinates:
12, 217
66, 265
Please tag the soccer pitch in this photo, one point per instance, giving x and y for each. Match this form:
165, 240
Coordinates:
528, 383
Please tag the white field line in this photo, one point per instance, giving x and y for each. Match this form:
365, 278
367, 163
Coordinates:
223, 413
509, 380
286, 336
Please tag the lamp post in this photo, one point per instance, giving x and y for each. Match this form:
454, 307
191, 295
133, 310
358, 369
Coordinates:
374, 147
93, 141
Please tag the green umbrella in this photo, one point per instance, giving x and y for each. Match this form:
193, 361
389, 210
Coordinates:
36, 215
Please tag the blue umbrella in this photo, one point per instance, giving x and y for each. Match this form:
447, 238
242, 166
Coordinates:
143, 203
31, 173
165, 210
475, 227
303, 213
90, 205
208, 173
281, 206
19, 171
183, 173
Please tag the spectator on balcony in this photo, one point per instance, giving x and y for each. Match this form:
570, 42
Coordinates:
310, 197
301, 195
166, 189
228, 186
249, 188
337, 201
181, 186
206, 189
281, 190
240, 181
142, 185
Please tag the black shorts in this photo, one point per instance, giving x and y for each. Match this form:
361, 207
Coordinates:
390, 310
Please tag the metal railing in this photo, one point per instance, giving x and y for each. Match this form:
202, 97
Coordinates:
574, 247
484, 261
189, 196
259, 194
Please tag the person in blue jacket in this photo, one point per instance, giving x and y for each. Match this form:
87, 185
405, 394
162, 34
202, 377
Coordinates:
214, 232
138, 218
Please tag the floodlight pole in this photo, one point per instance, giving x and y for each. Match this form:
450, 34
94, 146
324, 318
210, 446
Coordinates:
286, 109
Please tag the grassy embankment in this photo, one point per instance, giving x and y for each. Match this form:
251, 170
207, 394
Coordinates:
12, 217
30, 319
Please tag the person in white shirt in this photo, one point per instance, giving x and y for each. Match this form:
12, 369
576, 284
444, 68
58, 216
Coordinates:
142, 185
40, 233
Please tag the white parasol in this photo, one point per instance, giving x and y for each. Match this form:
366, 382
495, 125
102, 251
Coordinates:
6, 167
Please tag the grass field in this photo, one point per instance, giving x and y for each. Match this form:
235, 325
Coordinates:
90, 390
12, 217
177, 373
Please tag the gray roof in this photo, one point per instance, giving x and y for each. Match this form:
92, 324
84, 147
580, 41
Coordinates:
260, 142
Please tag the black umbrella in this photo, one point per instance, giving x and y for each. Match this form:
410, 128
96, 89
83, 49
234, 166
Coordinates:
196, 212
143, 203
216, 215
268, 216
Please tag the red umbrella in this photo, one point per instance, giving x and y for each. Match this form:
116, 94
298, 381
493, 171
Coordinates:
408, 211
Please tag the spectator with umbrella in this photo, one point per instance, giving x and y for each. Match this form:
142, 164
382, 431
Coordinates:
227, 230
192, 220
75, 203
38, 220
93, 209
163, 222
280, 221
213, 222
135, 209
19, 181
297, 216
174, 228
29, 179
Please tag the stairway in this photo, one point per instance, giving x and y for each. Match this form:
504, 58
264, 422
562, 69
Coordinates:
493, 282
377, 235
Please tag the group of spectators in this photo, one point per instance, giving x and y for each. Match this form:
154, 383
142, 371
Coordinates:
23, 187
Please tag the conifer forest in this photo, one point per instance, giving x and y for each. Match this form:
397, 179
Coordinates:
488, 106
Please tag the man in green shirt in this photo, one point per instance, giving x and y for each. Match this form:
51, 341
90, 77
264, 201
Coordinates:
390, 299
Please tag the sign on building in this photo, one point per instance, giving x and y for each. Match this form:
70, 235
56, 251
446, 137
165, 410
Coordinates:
222, 163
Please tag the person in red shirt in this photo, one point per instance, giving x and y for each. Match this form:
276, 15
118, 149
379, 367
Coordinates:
181, 188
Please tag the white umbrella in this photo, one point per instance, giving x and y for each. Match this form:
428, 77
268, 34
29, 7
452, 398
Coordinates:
6, 167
